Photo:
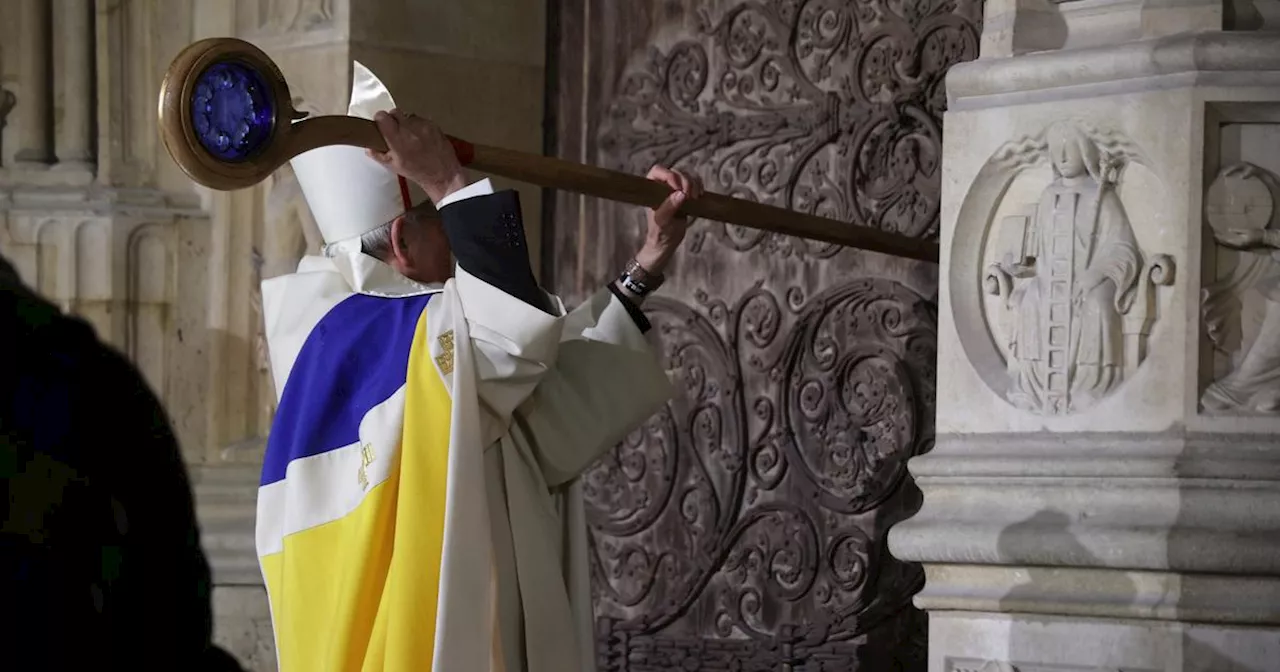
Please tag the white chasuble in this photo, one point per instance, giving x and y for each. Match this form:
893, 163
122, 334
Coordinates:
426, 444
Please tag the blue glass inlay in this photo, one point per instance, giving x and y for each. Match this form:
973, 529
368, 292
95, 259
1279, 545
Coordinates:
232, 110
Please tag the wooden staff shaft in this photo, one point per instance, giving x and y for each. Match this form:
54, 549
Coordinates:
555, 173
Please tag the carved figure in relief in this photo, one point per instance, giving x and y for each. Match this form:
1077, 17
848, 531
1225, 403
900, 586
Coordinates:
296, 14
1073, 284
1240, 208
312, 14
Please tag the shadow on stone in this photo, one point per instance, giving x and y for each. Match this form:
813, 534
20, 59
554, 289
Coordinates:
1045, 539
1059, 593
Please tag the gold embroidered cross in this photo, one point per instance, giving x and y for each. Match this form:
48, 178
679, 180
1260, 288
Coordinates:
366, 459
445, 359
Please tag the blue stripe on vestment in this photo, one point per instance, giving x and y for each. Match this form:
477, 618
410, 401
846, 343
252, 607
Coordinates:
354, 359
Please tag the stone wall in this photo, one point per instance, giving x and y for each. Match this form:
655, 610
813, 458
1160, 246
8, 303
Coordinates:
1103, 493
95, 215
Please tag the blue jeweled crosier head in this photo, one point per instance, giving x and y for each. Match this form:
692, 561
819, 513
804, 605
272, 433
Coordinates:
232, 110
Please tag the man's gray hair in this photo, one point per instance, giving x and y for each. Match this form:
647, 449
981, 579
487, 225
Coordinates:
377, 243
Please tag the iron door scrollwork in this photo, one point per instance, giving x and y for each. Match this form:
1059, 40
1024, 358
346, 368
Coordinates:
744, 527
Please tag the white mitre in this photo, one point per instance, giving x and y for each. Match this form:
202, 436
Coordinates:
349, 193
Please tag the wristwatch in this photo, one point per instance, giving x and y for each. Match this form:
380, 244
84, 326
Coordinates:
638, 281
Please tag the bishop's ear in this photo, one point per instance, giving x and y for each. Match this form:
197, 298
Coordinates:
402, 257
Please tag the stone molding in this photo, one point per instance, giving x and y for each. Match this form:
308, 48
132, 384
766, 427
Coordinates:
1166, 526
226, 504
1102, 593
1204, 58
1172, 454
1222, 526
101, 200
979, 665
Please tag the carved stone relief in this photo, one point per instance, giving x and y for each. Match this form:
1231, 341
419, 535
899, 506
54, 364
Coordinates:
1241, 308
285, 16
311, 14
1074, 290
743, 528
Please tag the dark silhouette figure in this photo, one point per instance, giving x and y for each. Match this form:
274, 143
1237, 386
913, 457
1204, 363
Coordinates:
100, 558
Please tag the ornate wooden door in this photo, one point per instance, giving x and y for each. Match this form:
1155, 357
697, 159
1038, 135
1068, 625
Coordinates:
744, 527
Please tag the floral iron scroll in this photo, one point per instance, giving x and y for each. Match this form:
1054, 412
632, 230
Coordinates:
753, 508
827, 106
744, 527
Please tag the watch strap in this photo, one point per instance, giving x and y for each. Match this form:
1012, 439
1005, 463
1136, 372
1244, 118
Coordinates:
645, 281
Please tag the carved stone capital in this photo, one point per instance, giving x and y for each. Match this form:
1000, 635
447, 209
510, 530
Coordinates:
1204, 58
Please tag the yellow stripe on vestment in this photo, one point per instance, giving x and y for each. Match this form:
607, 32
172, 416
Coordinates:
361, 592
408, 619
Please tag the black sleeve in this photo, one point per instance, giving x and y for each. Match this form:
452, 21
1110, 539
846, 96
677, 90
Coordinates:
487, 237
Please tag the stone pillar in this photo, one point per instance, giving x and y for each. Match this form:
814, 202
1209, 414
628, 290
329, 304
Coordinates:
33, 100
74, 94
1104, 493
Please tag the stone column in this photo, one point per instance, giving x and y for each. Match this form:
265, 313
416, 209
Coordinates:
33, 99
1104, 493
74, 96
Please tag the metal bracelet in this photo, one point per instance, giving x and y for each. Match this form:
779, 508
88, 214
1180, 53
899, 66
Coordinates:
651, 281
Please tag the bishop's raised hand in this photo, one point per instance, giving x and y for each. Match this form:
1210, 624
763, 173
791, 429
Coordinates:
419, 151
667, 226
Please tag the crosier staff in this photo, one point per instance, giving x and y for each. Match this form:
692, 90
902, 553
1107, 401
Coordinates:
227, 119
